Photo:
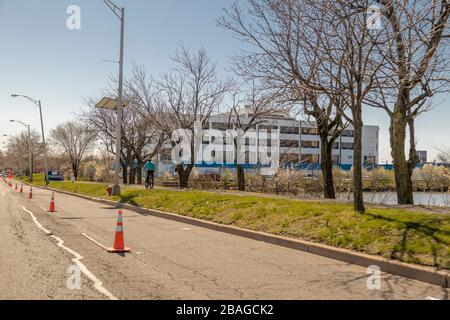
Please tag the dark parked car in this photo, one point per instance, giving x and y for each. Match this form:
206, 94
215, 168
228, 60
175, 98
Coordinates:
55, 176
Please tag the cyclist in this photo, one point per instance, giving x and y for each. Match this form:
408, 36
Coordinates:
149, 168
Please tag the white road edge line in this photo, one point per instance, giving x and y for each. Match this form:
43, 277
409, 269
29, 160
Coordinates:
93, 240
60, 243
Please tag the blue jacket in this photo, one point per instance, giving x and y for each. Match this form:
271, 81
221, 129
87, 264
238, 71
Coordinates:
149, 166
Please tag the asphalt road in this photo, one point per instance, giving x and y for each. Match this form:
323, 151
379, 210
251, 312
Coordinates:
169, 260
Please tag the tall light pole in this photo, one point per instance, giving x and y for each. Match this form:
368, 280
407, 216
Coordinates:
119, 13
30, 156
38, 103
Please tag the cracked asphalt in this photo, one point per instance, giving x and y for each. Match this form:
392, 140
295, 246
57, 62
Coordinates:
169, 260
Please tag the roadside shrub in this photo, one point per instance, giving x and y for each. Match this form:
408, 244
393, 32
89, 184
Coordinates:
379, 179
254, 182
289, 181
203, 181
432, 177
103, 174
342, 180
227, 179
89, 171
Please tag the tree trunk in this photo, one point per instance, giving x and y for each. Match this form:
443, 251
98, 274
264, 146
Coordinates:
358, 198
240, 177
75, 171
183, 175
327, 167
124, 173
413, 157
139, 170
132, 175
402, 170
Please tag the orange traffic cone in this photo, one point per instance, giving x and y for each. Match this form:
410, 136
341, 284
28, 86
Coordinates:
30, 195
21, 188
119, 243
52, 204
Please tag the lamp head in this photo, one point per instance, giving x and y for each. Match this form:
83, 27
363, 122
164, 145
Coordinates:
14, 95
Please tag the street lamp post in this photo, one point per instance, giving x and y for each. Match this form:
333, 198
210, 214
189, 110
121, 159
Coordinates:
120, 13
30, 156
38, 103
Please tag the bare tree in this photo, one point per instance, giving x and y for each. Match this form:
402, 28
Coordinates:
417, 68
141, 136
256, 108
283, 36
189, 94
18, 151
329, 120
104, 122
444, 155
74, 138
149, 137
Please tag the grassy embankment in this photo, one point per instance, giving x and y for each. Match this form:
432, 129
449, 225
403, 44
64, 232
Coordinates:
409, 236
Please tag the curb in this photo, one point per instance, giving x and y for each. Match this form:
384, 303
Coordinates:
416, 272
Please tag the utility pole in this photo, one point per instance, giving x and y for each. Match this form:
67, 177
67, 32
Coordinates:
38, 103
44, 146
120, 13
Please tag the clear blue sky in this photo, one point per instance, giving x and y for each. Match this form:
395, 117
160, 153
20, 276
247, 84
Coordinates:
41, 58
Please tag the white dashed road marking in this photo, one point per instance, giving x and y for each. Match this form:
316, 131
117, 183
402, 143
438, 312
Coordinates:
93, 240
77, 260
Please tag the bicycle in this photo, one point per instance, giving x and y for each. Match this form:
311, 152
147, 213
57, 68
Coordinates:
149, 180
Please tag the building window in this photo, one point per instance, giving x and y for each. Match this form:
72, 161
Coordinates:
288, 158
369, 160
348, 133
165, 155
335, 159
219, 125
289, 130
311, 144
346, 146
268, 142
309, 158
268, 129
336, 145
289, 143
310, 131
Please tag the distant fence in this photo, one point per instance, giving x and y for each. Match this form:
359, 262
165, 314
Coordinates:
314, 166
